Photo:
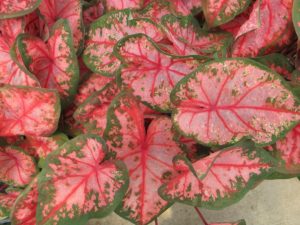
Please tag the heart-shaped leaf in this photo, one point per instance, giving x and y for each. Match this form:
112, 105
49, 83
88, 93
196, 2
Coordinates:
219, 12
17, 168
227, 100
149, 72
112, 5
55, 62
147, 155
296, 16
71, 10
220, 179
273, 29
106, 32
17, 8
24, 210
188, 38
7, 201
28, 111
78, 184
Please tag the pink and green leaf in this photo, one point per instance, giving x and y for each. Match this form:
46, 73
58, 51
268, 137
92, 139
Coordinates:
112, 5
55, 62
230, 99
78, 183
188, 38
296, 16
150, 73
219, 12
71, 10
92, 13
28, 111
274, 31
106, 32
17, 8
17, 168
147, 154
220, 179
7, 200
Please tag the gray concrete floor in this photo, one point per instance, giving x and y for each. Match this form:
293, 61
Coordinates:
274, 202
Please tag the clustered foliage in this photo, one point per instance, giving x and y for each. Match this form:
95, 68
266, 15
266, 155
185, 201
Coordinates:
133, 105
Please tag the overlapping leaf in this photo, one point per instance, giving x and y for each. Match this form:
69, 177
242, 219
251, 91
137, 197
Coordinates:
273, 29
220, 179
55, 62
71, 10
149, 72
147, 155
17, 8
28, 111
7, 201
17, 168
189, 39
111, 5
78, 184
106, 32
227, 100
296, 16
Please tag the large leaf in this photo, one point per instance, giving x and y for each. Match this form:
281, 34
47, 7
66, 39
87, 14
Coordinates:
226, 100
78, 184
188, 38
296, 16
274, 29
24, 210
111, 5
55, 62
16, 8
219, 12
220, 179
7, 201
28, 111
147, 155
92, 113
106, 32
149, 72
17, 168
71, 10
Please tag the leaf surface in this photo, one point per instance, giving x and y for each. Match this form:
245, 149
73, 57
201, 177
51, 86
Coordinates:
7, 201
28, 111
147, 155
112, 5
149, 72
296, 16
17, 8
78, 184
104, 35
227, 100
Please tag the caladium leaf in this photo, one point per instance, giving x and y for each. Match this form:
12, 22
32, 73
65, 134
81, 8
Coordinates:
274, 31
149, 72
241, 222
194, 6
78, 184
147, 155
296, 16
220, 179
188, 38
106, 32
288, 149
24, 210
7, 201
17, 8
92, 113
111, 5
28, 111
17, 168
218, 106
55, 62
93, 12
219, 12
69, 126
71, 10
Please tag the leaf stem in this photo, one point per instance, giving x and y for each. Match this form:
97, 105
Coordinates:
156, 221
201, 216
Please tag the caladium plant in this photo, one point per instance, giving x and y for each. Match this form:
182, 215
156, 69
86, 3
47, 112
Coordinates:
132, 105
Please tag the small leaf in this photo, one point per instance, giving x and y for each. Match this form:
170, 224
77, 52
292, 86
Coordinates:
296, 16
149, 72
28, 111
112, 5
227, 100
274, 31
104, 35
78, 184
7, 201
17, 8
220, 179
92, 13
55, 63
17, 168
220, 12
147, 155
